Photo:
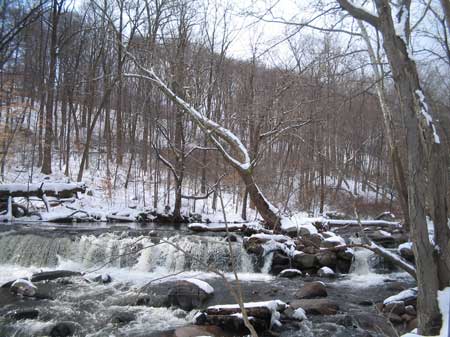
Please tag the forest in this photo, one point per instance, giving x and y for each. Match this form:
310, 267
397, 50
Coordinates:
193, 168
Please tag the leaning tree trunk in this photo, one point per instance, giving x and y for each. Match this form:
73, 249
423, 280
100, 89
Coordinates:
236, 155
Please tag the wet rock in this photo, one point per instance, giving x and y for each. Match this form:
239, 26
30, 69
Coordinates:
104, 278
122, 317
304, 261
327, 258
254, 246
312, 290
347, 254
179, 313
397, 308
279, 263
63, 329
410, 310
53, 275
319, 306
326, 272
23, 287
343, 266
290, 273
394, 318
231, 238
191, 331
188, 295
407, 317
23, 314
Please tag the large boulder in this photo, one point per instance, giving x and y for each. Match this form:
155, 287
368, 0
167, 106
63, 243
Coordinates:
304, 261
327, 258
190, 293
317, 306
406, 251
312, 290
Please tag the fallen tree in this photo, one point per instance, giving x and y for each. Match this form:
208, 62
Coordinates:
58, 190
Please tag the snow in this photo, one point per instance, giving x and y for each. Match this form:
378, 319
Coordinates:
336, 239
384, 233
274, 237
23, 283
401, 296
274, 306
299, 314
405, 245
425, 112
297, 222
201, 284
295, 271
325, 271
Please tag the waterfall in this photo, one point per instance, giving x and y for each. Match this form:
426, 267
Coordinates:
360, 265
142, 253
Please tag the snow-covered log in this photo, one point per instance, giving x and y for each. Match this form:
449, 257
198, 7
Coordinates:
59, 190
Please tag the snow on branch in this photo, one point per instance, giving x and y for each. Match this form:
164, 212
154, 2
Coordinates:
359, 12
243, 162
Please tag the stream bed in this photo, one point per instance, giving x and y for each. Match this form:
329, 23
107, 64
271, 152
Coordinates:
134, 256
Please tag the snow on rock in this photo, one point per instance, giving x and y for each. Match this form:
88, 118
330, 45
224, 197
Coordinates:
403, 296
201, 284
290, 273
274, 237
337, 240
298, 223
23, 287
326, 272
299, 314
274, 306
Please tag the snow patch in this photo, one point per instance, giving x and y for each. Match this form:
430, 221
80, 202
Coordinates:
201, 284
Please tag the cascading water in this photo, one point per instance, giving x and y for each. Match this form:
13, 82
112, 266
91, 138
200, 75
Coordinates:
140, 253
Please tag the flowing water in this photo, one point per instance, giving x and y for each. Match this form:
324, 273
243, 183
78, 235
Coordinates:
134, 258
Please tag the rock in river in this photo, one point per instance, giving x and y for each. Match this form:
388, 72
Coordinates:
312, 290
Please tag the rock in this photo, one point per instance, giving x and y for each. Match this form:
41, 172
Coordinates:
290, 273
280, 259
394, 318
410, 310
23, 287
397, 307
231, 237
376, 323
23, 314
191, 331
104, 278
326, 272
310, 250
188, 295
319, 306
52, 275
304, 261
254, 246
332, 242
348, 254
343, 266
179, 313
122, 317
312, 290
327, 258
405, 250
412, 325
407, 317
63, 329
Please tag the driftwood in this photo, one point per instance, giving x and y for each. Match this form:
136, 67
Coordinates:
46, 276
59, 190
